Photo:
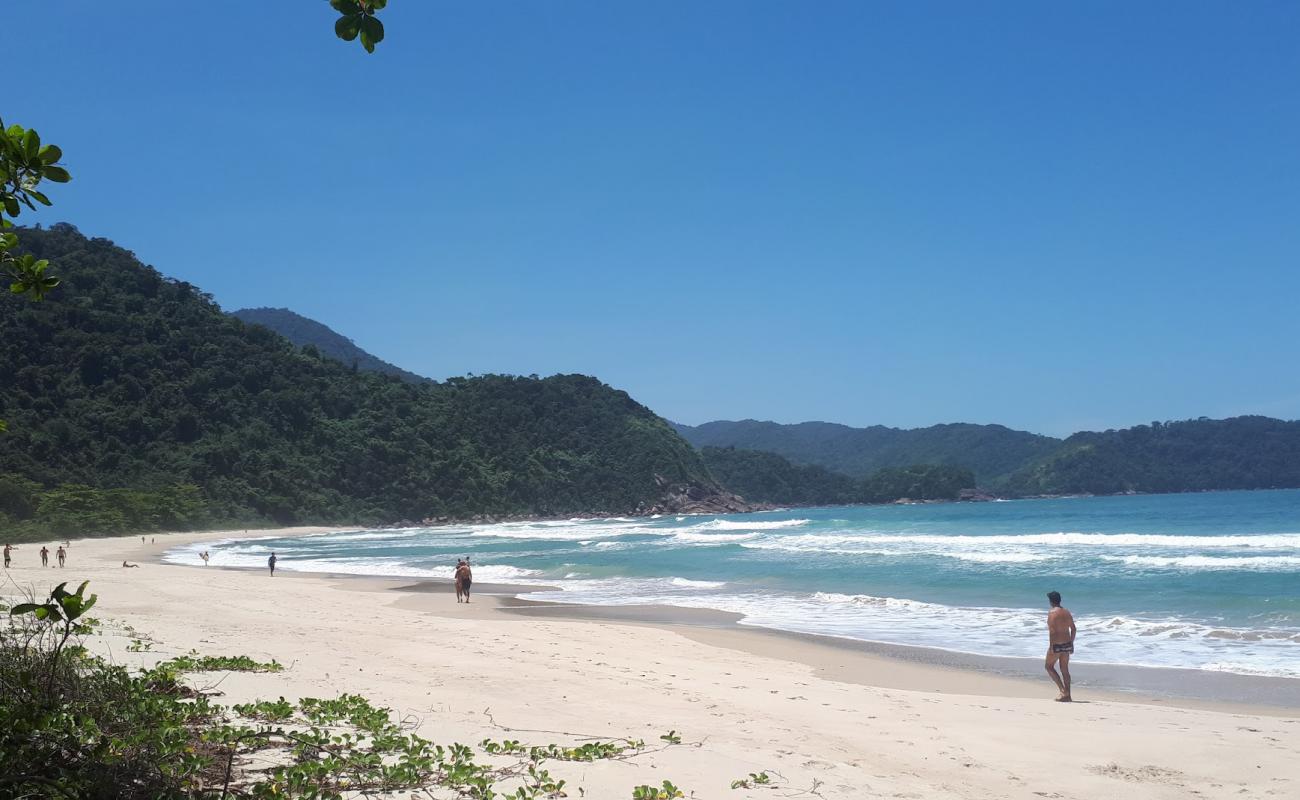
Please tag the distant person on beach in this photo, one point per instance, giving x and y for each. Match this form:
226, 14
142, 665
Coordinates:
8, 549
45, 556
204, 556
270, 562
60, 554
1060, 644
464, 578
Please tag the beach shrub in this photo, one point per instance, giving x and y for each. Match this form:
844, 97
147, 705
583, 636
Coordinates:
76, 726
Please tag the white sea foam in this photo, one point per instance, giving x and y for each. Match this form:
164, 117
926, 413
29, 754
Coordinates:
1013, 632
1278, 540
999, 558
1255, 563
739, 525
688, 537
687, 583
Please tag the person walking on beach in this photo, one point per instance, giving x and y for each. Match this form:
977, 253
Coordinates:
204, 556
464, 578
45, 556
60, 554
1060, 644
270, 562
8, 550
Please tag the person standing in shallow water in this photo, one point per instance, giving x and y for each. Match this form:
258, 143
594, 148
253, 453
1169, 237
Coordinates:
1060, 644
45, 556
270, 562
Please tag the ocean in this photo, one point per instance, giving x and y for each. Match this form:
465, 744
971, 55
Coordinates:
1200, 581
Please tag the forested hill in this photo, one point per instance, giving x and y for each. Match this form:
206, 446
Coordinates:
768, 478
306, 332
1188, 456
124, 379
990, 451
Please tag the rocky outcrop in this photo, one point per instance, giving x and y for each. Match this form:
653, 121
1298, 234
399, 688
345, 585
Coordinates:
696, 498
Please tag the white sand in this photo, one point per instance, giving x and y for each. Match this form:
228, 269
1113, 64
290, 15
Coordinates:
467, 670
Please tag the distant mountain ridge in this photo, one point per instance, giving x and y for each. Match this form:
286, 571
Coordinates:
1194, 455
1248, 452
990, 451
304, 331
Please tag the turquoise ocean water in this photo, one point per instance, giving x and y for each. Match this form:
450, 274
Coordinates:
1205, 581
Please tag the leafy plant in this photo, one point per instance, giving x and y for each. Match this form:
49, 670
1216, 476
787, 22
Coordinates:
357, 20
754, 779
193, 662
62, 607
672, 737
666, 791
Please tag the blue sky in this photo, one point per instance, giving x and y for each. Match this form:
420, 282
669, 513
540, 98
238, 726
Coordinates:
1052, 216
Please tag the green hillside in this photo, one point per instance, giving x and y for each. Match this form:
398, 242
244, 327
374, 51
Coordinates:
762, 477
768, 478
306, 332
1188, 456
990, 451
128, 381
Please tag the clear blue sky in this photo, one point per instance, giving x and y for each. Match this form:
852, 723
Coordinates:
1050, 215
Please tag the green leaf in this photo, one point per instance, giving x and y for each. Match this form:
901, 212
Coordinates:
40, 197
346, 6
51, 153
23, 608
378, 5
372, 33
11, 206
32, 144
347, 28
56, 174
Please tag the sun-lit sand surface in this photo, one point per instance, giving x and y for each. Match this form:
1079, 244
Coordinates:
860, 727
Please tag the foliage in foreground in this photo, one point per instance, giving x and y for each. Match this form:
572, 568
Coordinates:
73, 725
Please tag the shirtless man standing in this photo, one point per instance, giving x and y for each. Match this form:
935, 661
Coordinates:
1060, 638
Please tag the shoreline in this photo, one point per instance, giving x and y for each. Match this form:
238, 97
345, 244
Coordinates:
821, 719
840, 658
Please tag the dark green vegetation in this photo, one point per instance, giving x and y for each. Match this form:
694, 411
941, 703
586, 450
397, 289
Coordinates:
917, 482
768, 478
177, 415
1189, 456
75, 726
990, 451
306, 332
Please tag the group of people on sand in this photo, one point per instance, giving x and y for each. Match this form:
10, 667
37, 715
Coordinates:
464, 577
60, 554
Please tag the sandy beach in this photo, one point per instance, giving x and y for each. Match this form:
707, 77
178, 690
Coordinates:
822, 721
